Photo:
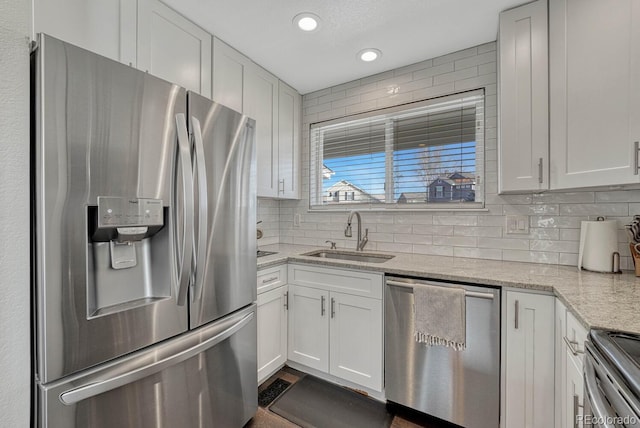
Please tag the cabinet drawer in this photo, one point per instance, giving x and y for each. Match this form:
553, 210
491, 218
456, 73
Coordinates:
353, 282
271, 277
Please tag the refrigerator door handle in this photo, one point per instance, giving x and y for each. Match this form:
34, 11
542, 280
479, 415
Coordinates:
92, 389
201, 169
185, 258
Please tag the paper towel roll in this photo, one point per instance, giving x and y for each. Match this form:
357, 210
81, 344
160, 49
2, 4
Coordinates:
598, 242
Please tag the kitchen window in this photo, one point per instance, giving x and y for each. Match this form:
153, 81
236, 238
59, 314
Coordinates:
423, 155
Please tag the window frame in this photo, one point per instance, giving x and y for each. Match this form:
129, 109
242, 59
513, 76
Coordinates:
400, 111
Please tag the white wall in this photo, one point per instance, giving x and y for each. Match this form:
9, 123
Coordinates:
15, 28
554, 218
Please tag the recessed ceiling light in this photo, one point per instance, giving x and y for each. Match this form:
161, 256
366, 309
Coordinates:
369, 54
307, 21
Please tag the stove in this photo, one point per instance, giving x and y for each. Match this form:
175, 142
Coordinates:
612, 380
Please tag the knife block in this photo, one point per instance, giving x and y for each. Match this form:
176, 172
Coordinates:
636, 258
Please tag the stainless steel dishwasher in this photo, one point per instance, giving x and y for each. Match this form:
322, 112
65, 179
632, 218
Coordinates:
462, 387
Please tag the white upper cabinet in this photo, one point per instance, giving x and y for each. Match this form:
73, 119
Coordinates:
173, 48
106, 27
594, 92
260, 102
229, 67
524, 103
289, 105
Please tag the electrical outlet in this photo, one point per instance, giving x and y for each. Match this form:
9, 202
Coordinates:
517, 224
296, 220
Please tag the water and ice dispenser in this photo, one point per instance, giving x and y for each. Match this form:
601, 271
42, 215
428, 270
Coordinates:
129, 254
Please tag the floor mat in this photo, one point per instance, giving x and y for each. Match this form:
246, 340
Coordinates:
272, 392
315, 403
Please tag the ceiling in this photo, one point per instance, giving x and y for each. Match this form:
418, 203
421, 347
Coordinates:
406, 31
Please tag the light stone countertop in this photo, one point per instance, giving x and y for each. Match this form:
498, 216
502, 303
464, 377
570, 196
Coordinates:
607, 301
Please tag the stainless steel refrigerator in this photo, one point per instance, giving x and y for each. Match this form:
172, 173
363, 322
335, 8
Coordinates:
144, 262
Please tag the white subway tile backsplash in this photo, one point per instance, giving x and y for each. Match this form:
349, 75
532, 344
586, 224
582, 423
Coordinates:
568, 259
608, 209
412, 239
478, 253
618, 196
530, 256
455, 76
428, 229
556, 222
393, 247
570, 234
433, 250
555, 246
433, 71
495, 232
487, 47
476, 60
456, 241
566, 198
455, 55
456, 220
504, 244
554, 217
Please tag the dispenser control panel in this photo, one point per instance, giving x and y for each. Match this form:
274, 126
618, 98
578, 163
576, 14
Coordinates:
119, 212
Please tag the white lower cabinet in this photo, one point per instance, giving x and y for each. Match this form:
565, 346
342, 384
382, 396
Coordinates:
355, 339
528, 360
309, 327
336, 332
570, 338
272, 315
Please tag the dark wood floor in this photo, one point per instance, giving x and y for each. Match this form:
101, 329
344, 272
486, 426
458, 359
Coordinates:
267, 419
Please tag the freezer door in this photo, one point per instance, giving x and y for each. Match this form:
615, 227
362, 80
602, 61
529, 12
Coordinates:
205, 378
105, 132
225, 220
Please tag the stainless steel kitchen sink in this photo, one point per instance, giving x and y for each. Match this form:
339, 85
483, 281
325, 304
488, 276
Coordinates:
350, 255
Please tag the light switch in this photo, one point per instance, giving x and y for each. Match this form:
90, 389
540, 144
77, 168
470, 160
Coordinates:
517, 224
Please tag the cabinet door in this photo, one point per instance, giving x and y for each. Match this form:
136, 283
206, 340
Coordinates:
309, 327
289, 102
173, 48
228, 74
594, 92
528, 358
355, 341
524, 103
272, 331
106, 27
573, 398
260, 102
560, 363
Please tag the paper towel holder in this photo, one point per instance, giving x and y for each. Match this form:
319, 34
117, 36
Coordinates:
615, 263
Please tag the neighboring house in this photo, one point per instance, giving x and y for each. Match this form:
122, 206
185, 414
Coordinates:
455, 187
345, 192
412, 197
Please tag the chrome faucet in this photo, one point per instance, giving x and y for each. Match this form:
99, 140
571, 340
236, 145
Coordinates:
347, 231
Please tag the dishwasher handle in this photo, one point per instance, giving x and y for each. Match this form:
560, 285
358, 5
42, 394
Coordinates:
411, 285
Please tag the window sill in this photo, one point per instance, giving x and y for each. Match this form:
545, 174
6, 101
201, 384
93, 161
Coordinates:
394, 209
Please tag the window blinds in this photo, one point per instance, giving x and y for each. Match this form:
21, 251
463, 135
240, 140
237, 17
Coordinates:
398, 156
